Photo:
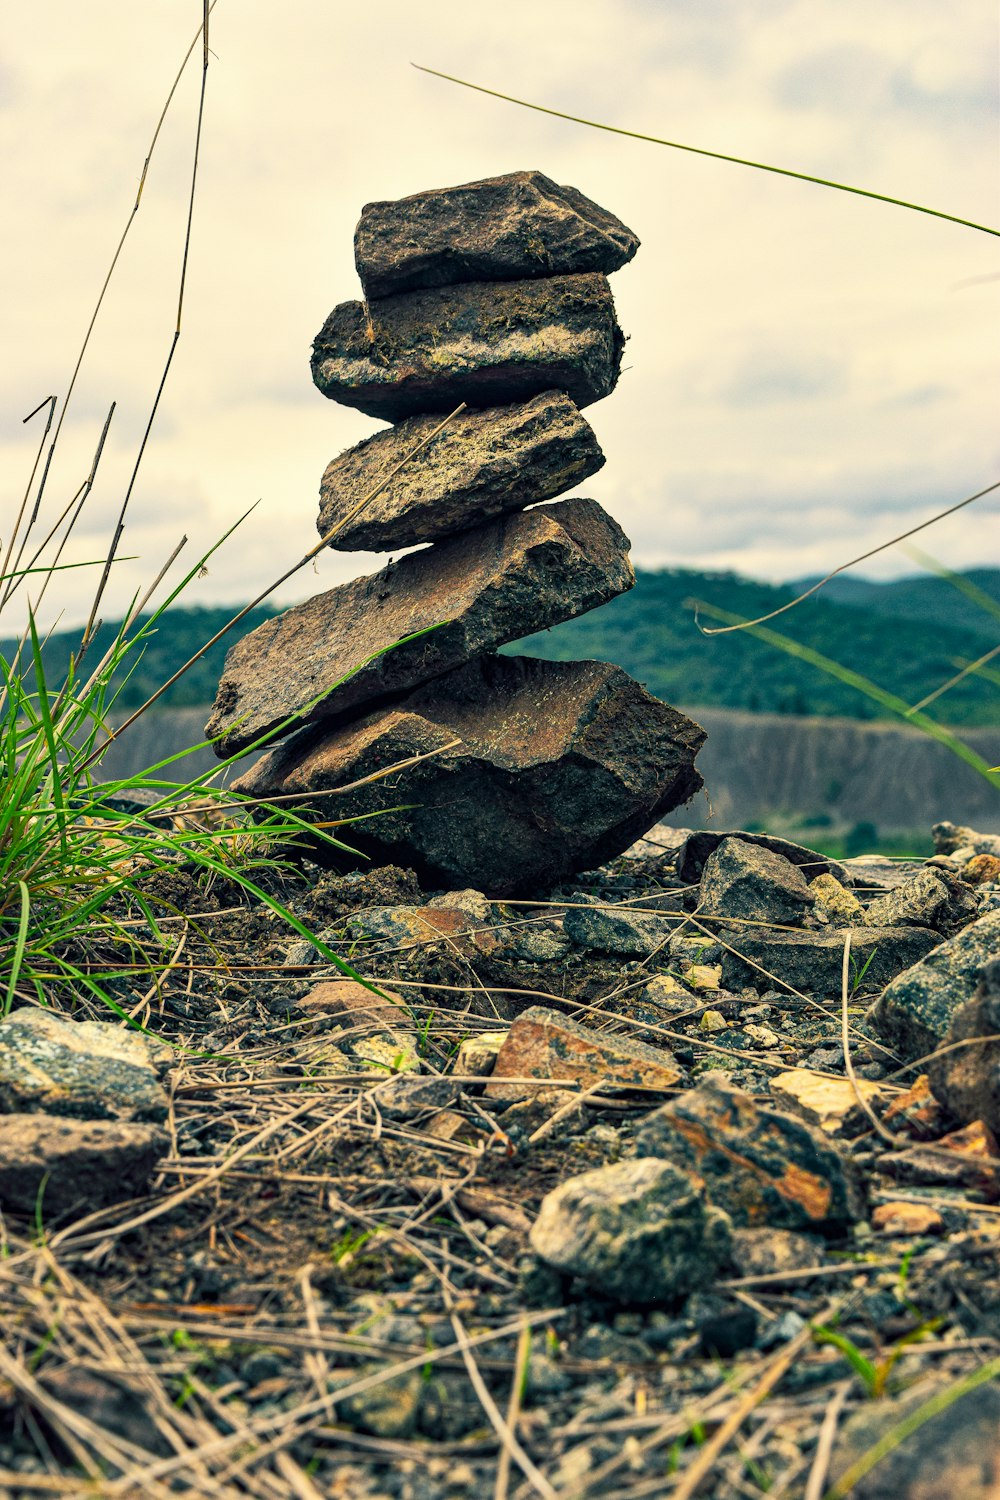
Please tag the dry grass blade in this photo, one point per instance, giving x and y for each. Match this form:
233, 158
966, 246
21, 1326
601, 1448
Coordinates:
845, 977
502, 1484
825, 1442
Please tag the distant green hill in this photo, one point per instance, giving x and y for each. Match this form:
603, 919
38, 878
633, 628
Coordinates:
908, 636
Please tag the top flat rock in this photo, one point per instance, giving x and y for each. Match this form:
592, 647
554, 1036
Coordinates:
366, 641
510, 228
482, 343
482, 464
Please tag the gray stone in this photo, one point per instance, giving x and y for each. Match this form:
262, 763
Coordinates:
698, 846
930, 898
481, 465
483, 343
514, 227
769, 1252
877, 872
763, 1166
517, 574
950, 838
754, 884
813, 961
638, 1231
607, 929
406, 1096
560, 764
914, 1012
93, 1070
967, 1080
388, 1409
63, 1164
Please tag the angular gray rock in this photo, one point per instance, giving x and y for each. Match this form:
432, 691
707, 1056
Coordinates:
482, 343
639, 1231
514, 227
930, 898
698, 846
63, 1164
766, 1168
519, 573
915, 1011
636, 934
951, 838
561, 765
813, 961
754, 884
967, 1079
483, 464
93, 1070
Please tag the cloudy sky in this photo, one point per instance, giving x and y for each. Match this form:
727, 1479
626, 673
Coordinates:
808, 373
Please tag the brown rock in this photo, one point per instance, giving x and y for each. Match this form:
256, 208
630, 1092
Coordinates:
967, 1158
348, 1003
764, 1167
482, 464
560, 765
546, 1045
396, 929
66, 1164
516, 574
907, 1219
916, 1111
518, 226
830, 1103
483, 343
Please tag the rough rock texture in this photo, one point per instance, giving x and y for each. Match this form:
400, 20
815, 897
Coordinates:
833, 904
482, 464
830, 1103
561, 765
638, 1230
506, 228
74, 1164
93, 1070
395, 929
764, 1167
968, 1079
517, 574
544, 1044
914, 1012
951, 838
813, 961
635, 934
698, 846
349, 1003
485, 344
754, 884
952, 1455
931, 898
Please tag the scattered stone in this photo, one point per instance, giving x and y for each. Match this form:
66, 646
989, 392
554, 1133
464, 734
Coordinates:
55, 1165
967, 1079
384, 1052
535, 941
982, 869
704, 977
953, 1453
966, 842
92, 1070
406, 1096
907, 1219
639, 1231
347, 1002
762, 1036
514, 227
763, 1166
560, 764
713, 1020
813, 961
768, 1252
917, 1112
830, 1103
914, 1012
388, 1409
543, 1044
834, 905
477, 1055
723, 1325
752, 883
517, 574
967, 1158
481, 343
871, 872
610, 929
397, 929
481, 465
698, 846
667, 993
930, 898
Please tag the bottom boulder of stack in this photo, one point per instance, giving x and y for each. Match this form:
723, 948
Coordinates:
534, 770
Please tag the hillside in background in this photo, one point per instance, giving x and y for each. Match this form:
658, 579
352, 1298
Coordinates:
908, 636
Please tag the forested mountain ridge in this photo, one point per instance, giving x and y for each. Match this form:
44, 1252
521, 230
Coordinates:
909, 637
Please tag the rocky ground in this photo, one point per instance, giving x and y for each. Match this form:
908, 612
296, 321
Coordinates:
638, 1190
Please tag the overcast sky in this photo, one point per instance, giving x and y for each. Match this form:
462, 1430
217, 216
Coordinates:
807, 373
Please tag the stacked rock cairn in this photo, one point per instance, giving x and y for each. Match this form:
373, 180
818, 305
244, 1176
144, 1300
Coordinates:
487, 324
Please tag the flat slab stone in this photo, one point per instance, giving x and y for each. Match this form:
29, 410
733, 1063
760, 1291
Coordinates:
813, 961
91, 1069
66, 1164
560, 765
506, 228
517, 574
636, 934
545, 1044
482, 343
482, 464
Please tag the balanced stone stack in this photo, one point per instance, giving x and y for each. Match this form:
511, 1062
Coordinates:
508, 773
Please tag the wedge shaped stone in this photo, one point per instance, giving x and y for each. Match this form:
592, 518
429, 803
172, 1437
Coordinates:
514, 227
480, 343
516, 574
560, 766
483, 464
